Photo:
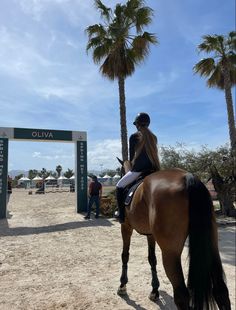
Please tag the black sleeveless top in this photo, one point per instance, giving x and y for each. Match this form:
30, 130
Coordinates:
142, 162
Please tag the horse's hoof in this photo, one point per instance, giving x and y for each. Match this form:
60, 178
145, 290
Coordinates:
122, 291
154, 296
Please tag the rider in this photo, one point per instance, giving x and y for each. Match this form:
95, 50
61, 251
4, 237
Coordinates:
143, 157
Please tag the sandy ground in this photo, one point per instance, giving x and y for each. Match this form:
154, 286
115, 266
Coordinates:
51, 258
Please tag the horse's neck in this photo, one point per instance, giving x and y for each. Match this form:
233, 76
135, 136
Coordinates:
127, 166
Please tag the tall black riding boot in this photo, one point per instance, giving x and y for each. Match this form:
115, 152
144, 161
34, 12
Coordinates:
120, 203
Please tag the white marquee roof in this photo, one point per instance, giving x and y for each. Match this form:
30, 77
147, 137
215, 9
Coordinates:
62, 177
37, 178
24, 179
50, 177
106, 176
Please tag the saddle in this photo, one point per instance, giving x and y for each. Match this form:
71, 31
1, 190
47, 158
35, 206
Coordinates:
131, 188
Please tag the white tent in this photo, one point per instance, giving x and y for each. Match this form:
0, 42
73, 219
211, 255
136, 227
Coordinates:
62, 177
37, 178
62, 180
72, 178
24, 181
116, 176
106, 176
115, 179
50, 177
107, 179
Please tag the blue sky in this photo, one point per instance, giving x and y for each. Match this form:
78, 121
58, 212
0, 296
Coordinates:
48, 81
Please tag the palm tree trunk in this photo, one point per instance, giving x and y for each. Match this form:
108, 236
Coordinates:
230, 110
124, 140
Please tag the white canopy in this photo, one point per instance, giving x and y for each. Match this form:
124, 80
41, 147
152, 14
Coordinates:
37, 178
62, 177
72, 178
50, 177
106, 176
24, 179
116, 176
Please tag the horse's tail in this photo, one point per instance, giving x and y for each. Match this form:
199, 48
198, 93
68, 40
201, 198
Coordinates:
206, 275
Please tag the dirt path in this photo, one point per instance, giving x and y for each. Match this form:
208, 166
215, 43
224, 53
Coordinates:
50, 258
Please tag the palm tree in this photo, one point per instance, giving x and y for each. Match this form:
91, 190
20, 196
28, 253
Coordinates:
68, 173
59, 170
44, 173
221, 71
119, 44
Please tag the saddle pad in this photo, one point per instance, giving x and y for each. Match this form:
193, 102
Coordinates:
130, 193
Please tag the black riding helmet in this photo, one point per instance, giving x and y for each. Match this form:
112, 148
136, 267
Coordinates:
142, 119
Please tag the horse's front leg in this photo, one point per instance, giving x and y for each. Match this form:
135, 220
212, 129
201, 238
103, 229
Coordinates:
153, 262
126, 232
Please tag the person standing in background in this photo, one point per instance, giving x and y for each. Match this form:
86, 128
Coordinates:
9, 188
95, 194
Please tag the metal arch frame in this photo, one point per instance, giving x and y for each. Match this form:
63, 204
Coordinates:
79, 138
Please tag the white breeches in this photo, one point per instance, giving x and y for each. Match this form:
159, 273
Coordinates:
128, 178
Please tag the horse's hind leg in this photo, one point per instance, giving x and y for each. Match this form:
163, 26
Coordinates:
173, 269
153, 262
126, 232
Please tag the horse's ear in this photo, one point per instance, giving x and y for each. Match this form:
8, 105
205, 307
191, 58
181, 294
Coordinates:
120, 161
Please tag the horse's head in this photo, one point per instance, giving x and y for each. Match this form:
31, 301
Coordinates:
125, 166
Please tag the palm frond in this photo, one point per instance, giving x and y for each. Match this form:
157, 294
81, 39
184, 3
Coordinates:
232, 35
232, 40
119, 14
205, 67
143, 18
100, 52
216, 79
150, 37
104, 11
141, 46
117, 64
132, 5
211, 44
93, 43
232, 72
97, 41
96, 29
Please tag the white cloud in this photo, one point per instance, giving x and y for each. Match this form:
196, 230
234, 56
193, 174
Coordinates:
76, 11
50, 157
18, 58
100, 154
104, 153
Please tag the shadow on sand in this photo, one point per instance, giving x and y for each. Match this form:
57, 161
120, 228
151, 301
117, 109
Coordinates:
165, 301
5, 230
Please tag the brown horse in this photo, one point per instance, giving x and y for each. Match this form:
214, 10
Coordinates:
168, 207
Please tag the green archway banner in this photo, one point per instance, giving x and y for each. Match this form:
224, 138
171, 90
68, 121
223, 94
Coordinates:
79, 138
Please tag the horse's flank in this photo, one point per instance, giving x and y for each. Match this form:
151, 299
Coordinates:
151, 202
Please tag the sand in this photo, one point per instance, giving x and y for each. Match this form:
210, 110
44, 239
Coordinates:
51, 258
